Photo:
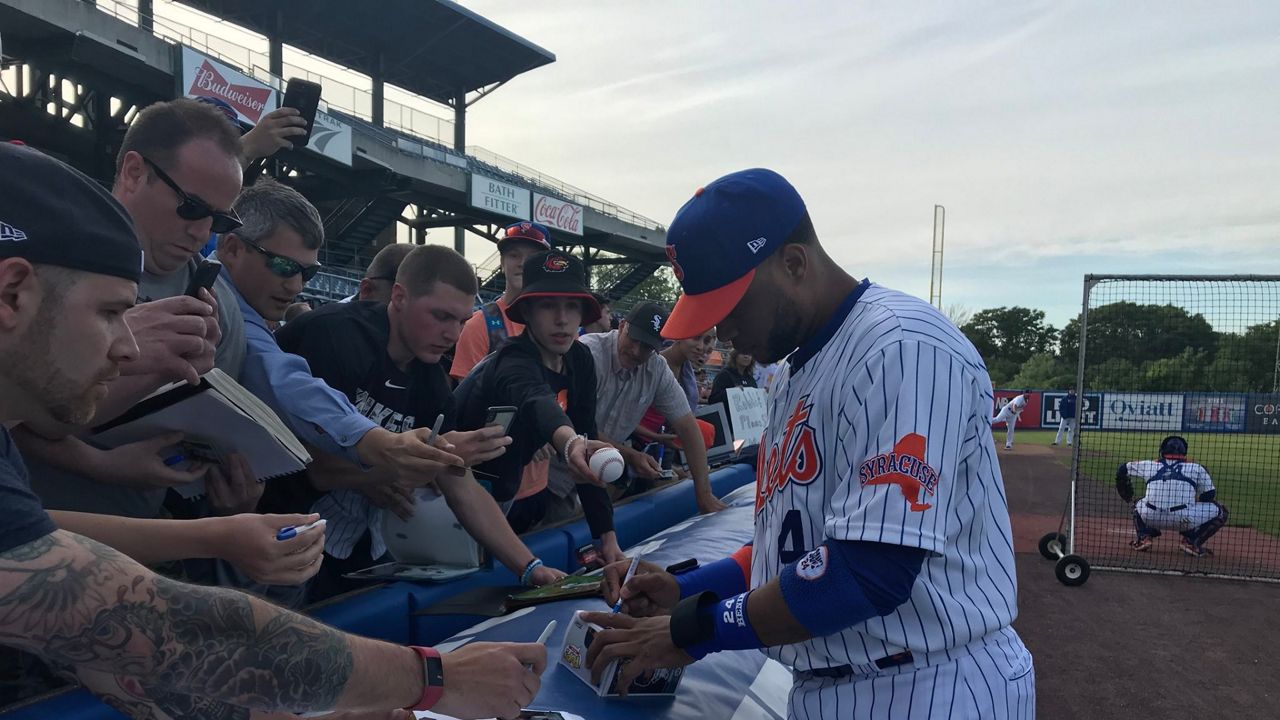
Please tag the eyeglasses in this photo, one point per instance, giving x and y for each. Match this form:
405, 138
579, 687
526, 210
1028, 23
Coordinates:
193, 208
285, 267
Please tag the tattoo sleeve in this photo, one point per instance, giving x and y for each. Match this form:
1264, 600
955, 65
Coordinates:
128, 696
78, 603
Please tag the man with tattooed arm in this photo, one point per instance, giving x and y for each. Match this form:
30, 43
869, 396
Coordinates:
149, 646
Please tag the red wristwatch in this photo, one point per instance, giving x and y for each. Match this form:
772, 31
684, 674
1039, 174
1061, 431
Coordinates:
432, 678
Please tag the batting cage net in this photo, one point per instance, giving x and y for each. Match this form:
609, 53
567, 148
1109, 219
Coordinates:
1196, 359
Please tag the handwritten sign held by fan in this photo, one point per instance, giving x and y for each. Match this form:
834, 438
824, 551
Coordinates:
748, 413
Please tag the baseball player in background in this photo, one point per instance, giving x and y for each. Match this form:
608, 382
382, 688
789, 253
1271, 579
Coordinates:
882, 566
1009, 415
1066, 417
1179, 496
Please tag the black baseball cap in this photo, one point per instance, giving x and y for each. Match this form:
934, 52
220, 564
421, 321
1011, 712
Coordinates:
645, 323
53, 214
554, 274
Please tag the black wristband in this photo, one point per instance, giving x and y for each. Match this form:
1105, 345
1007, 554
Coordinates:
690, 627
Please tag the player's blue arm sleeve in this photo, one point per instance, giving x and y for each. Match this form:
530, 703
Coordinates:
725, 577
869, 578
1209, 495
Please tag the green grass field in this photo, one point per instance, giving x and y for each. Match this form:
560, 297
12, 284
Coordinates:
1245, 468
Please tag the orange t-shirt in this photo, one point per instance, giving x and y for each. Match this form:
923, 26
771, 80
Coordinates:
473, 345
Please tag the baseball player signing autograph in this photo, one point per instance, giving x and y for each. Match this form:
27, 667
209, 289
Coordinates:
882, 569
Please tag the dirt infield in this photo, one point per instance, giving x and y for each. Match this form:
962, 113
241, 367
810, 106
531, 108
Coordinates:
1126, 645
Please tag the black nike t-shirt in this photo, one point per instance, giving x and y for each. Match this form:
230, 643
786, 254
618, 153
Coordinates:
22, 518
345, 344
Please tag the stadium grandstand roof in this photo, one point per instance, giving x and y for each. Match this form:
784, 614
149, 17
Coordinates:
433, 48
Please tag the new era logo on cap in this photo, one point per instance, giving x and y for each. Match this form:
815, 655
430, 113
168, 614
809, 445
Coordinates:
9, 233
720, 237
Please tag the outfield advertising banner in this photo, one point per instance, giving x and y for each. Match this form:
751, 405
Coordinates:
1214, 412
1263, 414
1030, 414
1086, 410
1142, 411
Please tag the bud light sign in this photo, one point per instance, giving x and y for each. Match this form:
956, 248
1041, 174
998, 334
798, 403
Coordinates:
1142, 411
1086, 409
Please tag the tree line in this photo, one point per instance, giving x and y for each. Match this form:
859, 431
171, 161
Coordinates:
1130, 347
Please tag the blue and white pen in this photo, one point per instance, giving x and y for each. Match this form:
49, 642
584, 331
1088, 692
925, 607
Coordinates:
295, 530
631, 572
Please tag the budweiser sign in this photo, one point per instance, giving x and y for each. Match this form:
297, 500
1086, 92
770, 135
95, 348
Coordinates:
249, 101
557, 214
205, 77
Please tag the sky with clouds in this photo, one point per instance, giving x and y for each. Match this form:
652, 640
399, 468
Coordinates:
1063, 138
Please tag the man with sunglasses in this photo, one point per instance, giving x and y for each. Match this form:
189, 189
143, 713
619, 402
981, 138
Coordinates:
266, 262
151, 646
177, 174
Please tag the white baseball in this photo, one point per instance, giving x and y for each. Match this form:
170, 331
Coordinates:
607, 464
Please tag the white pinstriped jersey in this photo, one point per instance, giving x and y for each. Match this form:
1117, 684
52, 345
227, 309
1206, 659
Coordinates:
883, 435
1171, 483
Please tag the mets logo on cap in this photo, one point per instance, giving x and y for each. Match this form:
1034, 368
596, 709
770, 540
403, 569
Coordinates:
556, 263
675, 266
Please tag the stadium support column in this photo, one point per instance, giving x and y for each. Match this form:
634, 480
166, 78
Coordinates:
275, 47
460, 144
145, 15
377, 90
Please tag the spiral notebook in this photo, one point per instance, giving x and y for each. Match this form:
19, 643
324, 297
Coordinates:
218, 417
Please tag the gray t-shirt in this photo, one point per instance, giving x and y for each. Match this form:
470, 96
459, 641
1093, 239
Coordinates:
62, 490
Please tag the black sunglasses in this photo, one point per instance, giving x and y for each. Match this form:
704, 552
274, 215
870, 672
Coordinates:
285, 267
192, 208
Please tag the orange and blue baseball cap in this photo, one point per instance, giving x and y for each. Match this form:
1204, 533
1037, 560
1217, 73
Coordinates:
719, 238
525, 231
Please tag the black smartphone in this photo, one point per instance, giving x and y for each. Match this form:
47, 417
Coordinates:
204, 277
501, 415
303, 95
589, 557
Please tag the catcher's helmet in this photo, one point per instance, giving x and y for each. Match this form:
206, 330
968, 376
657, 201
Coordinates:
1173, 446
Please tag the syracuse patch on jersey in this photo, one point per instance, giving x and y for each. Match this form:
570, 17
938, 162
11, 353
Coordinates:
905, 467
882, 434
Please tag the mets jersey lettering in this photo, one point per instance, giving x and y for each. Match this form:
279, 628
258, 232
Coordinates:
798, 461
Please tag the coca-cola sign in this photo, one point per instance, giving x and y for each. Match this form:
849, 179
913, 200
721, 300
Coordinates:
557, 214
205, 77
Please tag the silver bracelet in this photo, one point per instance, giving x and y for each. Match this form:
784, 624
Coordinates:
568, 445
